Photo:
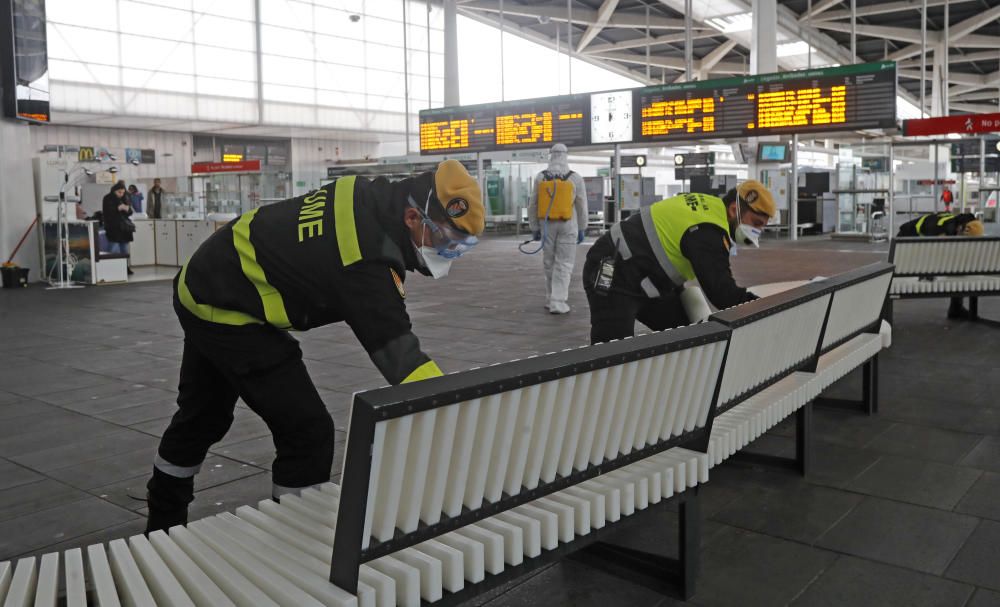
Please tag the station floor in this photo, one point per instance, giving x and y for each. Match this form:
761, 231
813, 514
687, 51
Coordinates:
902, 508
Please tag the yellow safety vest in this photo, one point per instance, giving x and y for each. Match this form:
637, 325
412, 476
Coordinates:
667, 221
556, 193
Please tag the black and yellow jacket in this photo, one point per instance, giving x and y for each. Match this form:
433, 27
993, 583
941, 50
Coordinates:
339, 253
935, 224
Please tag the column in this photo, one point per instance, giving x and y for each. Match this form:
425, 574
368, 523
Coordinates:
451, 96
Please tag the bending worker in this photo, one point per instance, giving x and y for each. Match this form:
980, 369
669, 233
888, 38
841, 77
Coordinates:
557, 212
336, 254
945, 224
637, 270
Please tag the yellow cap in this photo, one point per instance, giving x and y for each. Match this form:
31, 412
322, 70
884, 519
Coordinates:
460, 197
757, 197
974, 228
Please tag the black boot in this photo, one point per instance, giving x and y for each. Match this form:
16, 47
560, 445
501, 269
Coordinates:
956, 309
168, 498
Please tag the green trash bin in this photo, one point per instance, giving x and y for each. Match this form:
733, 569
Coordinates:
14, 277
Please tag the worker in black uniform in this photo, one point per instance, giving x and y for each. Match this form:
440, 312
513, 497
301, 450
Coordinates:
945, 224
336, 254
638, 269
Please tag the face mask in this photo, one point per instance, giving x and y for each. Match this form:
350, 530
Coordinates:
437, 265
747, 234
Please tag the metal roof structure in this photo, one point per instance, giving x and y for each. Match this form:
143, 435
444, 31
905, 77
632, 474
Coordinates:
645, 39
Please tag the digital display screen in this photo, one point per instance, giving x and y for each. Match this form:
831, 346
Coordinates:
24, 61
842, 98
772, 152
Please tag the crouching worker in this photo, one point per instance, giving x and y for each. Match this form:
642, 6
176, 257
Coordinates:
945, 224
637, 270
339, 253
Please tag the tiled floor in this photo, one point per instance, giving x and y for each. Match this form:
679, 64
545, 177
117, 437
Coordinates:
901, 509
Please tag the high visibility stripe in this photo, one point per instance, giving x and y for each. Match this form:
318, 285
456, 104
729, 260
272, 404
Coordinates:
210, 313
174, 470
274, 305
425, 371
941, 220
343, 213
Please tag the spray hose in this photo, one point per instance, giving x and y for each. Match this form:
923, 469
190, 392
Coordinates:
545, 227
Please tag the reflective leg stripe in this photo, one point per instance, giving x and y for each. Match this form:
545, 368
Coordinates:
619, 239
279, 490
343, 214
649, 288
654, 243
425, 371
274, 305
210, 313
173, 470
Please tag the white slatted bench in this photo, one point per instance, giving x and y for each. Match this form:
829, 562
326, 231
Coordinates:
451, 486
945, 267
458, 484
793, 346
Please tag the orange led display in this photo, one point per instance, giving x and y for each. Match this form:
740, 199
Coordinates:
679, 116
802, 107
523, 128
444, 135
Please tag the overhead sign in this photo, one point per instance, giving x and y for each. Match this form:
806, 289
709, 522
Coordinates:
689, 172
823, 100
633, 161
970, 147
694, 159
226, 167
967, 124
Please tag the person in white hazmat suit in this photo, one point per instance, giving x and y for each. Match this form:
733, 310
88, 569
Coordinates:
557, 212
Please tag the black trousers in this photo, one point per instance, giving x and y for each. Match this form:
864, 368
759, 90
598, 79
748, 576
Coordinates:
263, 366
613, 315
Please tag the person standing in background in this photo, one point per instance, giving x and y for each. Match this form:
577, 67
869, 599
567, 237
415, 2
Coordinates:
156, 200
135, 197
557, 213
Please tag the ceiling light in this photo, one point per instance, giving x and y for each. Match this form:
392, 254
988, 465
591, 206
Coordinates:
790, 49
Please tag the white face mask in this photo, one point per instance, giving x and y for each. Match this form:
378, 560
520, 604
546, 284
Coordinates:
438, 266
747, 234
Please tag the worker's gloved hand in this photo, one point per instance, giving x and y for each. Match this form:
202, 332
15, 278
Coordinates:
537, 235
579, 237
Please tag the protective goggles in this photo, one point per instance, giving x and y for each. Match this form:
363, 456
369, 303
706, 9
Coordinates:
447, 241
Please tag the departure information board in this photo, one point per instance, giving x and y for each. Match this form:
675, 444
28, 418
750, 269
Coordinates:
812, 101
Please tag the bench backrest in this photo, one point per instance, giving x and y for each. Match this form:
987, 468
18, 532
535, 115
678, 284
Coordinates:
951, 255
425, 458
778, 335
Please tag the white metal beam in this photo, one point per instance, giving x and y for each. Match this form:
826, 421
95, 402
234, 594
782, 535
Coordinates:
697, 34
603, 14
954, 59
819, 8
982, 95
883, 8
975, 108
880, 31
956, 77
956, 33
581, 16
674, 63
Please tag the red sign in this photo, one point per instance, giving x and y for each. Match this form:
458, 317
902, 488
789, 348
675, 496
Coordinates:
939, 182
226, 167
970, 123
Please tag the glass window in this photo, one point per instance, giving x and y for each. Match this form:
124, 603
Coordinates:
390, 9
388, 83
224, 87
383, 30
87, 45
226, 63
286, 42
282, 70
236, 9
336, 77
388, 104
152, 54
95, 14
383, 57
287, 13
333, 49
292, 94
142, 19
340, 99
159, 81
351, 6
416, 35
74, 71
228, 33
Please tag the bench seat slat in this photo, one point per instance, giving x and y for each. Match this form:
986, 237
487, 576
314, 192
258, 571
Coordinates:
75, 578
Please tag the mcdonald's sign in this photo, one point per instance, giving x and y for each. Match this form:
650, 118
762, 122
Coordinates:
86, 154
